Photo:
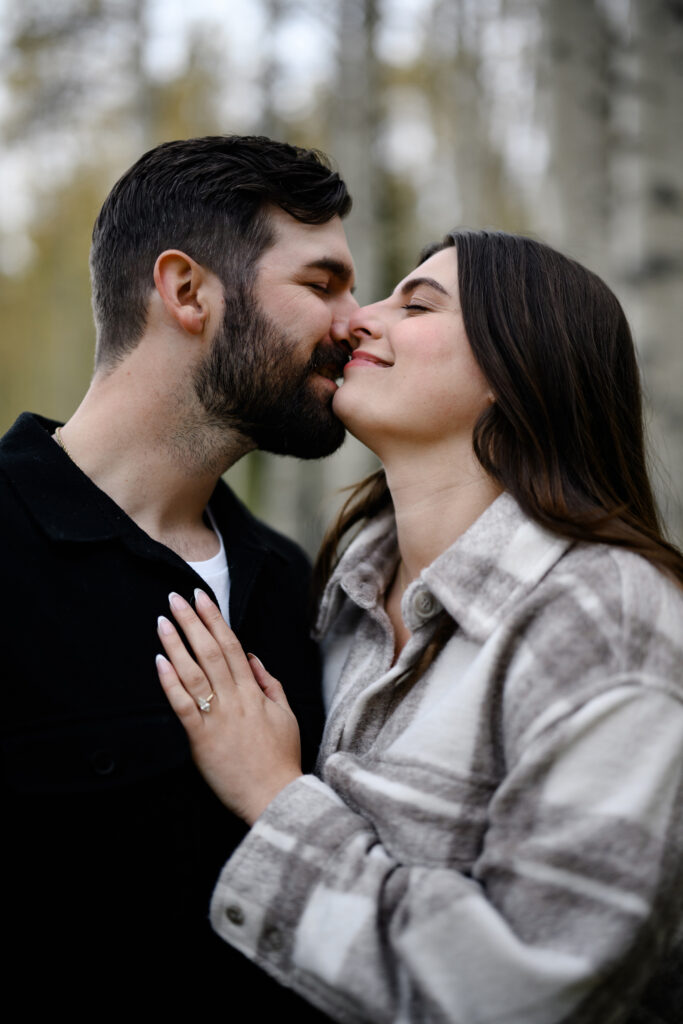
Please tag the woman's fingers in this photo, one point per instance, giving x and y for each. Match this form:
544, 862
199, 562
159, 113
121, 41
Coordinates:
201, 686
230, 646
180, 700
220, 663
214, 644
270, 686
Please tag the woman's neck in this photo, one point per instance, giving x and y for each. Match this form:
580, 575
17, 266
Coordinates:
436, 500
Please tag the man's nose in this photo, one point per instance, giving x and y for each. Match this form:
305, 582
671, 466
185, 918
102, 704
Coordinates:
340, 330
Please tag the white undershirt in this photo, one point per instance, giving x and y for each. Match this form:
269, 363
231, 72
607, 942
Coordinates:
214, 572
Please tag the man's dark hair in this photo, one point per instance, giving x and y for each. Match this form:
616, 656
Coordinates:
206, 197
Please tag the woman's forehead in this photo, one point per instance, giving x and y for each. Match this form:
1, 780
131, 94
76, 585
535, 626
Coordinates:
441, 269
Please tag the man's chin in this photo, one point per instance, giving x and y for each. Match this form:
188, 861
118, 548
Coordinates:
310, 446
314, 432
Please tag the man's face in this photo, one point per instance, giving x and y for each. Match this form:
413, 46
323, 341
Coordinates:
272, 367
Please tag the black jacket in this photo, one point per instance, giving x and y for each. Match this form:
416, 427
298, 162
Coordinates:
112, 841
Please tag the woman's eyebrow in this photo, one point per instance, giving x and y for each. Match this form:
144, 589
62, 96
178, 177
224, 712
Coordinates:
415, 282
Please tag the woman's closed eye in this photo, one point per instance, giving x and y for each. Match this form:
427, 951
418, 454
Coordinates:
415, 307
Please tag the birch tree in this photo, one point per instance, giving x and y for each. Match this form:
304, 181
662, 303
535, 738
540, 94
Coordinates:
574, 64
648, 223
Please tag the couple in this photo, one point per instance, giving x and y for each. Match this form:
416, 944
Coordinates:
493, 830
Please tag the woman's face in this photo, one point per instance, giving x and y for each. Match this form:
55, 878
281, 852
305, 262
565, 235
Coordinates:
412, 378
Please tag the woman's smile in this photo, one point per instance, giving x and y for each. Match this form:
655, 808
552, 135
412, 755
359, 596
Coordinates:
437, 390
362, 358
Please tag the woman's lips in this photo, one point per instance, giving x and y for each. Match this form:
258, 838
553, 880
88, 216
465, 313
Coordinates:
361, 358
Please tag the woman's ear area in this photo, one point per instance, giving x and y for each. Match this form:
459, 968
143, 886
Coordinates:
187, 289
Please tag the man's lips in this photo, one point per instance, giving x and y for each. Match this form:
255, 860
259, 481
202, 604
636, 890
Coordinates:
328, 362
328, 372
360, 358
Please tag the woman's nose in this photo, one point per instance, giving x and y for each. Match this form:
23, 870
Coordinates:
365, 323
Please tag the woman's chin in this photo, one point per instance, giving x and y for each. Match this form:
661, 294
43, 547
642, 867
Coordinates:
354, 415
341, 407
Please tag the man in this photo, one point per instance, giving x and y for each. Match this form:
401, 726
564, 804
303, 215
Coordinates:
221, 286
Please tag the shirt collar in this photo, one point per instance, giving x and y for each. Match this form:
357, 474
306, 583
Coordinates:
60, 498
68, 506
496, 562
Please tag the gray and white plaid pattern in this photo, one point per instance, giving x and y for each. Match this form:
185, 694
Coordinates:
504, 841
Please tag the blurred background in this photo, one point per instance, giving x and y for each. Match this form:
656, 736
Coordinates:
562, 119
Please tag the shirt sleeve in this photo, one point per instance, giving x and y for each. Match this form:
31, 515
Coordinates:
573, 898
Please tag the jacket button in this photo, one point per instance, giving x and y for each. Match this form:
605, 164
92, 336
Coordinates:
102, 762
234, 914
424, 604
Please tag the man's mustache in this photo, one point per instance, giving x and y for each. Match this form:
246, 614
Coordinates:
328, 360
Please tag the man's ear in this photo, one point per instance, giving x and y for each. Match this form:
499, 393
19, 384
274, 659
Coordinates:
180, 282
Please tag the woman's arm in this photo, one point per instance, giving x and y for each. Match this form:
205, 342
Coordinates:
567, 910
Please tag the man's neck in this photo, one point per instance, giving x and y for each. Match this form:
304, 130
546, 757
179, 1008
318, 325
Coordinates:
147, 447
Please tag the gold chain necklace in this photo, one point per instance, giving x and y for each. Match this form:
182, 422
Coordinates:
58, 438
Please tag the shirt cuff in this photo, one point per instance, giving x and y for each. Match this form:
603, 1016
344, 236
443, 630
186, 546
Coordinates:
262, 889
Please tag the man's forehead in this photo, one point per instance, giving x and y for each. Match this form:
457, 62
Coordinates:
309, 245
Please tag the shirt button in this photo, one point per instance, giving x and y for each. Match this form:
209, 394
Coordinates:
234, 914
424, 604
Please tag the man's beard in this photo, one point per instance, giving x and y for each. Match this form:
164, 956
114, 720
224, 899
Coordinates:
253, 382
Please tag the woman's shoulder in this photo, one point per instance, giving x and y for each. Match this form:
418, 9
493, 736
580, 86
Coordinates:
618, 584
603, 625
603, 617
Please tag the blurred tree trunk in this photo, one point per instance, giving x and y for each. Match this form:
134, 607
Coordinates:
463, 155
355, 122
271, 123
648, 228
573, 81
465, 184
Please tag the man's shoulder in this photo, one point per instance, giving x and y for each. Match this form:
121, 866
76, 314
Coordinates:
28, 432
20, 454
25, 445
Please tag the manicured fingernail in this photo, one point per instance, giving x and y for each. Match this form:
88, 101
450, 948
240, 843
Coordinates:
255, 658
164, 626
163, 664
177, 602
202, 599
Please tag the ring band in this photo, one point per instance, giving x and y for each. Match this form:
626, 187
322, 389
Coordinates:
204, 703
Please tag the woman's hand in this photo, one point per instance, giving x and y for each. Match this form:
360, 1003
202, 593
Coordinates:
246, 741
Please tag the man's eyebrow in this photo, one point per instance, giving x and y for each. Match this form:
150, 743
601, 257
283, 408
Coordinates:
338, 268
415, 282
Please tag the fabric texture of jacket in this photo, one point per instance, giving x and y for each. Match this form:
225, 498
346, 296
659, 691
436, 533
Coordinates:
112, 842
502, 841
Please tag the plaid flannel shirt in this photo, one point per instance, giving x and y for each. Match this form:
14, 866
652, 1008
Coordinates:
502, 841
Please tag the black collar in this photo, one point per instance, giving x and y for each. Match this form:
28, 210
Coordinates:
68, 506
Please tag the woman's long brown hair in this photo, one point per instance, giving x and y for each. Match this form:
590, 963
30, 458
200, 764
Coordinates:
565, 434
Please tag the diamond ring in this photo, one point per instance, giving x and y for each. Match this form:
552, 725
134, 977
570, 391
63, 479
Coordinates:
204, 703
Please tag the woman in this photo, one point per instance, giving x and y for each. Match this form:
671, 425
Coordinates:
495, 830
